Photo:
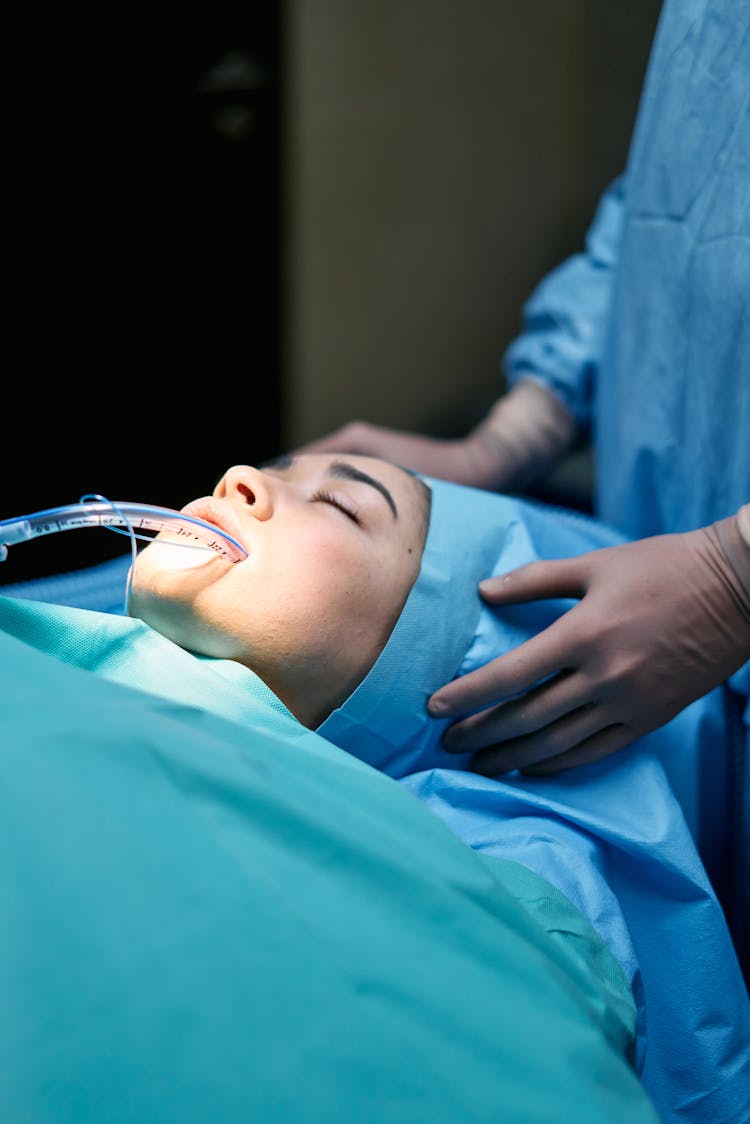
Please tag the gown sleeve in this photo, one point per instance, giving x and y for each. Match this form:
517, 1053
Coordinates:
564, 319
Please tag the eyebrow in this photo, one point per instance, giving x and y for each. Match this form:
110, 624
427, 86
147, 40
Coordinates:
345, 471
342, 470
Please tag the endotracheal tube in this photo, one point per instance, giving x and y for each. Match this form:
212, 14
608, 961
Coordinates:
136, 520
127, 518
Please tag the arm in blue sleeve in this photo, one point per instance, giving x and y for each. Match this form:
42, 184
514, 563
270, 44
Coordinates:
565, 317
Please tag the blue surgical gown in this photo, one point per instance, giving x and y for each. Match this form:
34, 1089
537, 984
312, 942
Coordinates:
645, 334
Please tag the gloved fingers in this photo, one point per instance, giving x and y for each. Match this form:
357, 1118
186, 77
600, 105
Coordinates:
538, 708
550, 742
550, 651
562, 577
596, 748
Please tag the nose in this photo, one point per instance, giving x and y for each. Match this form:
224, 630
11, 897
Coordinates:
249, 486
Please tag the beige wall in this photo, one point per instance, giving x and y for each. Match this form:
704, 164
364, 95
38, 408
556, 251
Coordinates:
440, 155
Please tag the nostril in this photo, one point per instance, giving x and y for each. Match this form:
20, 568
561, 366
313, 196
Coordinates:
248, 493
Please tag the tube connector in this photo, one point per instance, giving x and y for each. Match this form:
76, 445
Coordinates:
17, 531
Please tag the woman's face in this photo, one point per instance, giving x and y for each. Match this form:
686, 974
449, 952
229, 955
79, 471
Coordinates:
334, 545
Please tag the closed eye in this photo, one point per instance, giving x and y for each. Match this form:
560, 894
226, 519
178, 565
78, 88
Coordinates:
322, 496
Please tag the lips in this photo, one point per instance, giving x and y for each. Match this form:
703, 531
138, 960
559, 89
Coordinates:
219, 514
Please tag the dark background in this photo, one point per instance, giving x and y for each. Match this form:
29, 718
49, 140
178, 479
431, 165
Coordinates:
141, 232
229, 227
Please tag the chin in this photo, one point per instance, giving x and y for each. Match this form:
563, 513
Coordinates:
170, 578
172, 612
170, 618
166, 556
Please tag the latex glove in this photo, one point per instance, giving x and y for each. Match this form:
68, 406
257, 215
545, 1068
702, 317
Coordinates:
661, 622
526, 431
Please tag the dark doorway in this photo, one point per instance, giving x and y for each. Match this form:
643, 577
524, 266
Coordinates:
142, 230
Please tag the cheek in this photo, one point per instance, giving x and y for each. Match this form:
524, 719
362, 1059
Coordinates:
298, 593
322, 560
350, 599
314, 588
274, 596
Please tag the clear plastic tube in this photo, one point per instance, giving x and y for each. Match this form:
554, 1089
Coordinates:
124, 517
